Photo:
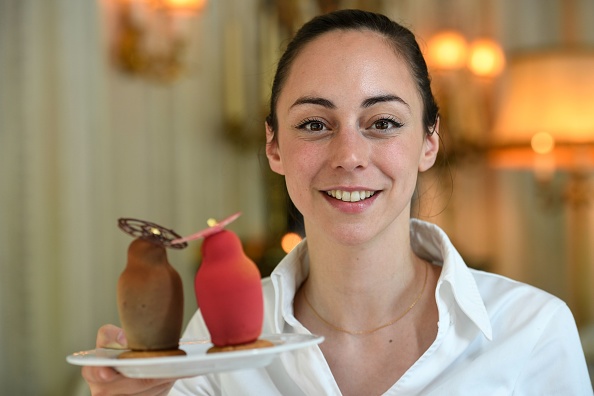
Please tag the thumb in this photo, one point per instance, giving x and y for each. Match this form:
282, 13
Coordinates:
110, 336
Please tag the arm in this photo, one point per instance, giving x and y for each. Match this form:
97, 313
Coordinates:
557, 365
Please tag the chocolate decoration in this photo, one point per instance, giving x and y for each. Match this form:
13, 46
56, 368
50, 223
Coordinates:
147, 230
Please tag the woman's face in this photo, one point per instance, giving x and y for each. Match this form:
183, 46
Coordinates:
350, 137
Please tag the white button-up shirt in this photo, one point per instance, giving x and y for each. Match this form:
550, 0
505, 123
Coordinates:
495, 337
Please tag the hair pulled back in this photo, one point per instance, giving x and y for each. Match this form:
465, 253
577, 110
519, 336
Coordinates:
400, 38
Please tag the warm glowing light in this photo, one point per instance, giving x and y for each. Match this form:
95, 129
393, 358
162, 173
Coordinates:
550, 91
155, 231
542, 143
447, 50
486, 58
289, 241
150, 36
185, 5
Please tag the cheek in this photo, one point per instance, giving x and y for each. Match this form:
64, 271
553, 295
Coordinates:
301, 164
399, 162
390, 154
300, 159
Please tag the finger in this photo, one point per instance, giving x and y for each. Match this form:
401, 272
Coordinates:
131, 386
157, 389
110, 336
105, 379
99, 374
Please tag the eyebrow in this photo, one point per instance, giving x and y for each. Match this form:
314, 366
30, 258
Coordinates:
314, 100
383, 98
366, 103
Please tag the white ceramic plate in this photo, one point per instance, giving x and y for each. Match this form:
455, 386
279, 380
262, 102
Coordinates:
197, 361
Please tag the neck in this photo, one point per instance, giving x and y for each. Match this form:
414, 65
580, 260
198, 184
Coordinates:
365, 283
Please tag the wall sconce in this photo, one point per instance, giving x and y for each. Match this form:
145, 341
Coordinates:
546, 121
486, 58
449, 50
149, 36
467, 114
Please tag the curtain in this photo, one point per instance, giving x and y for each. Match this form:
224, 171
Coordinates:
81, 145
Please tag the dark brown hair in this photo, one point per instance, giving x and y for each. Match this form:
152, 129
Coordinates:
400, 38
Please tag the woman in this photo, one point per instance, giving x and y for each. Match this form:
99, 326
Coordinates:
352, 123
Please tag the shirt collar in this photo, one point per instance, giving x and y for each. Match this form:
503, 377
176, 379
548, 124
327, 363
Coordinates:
428, 241
432, 244
286, 278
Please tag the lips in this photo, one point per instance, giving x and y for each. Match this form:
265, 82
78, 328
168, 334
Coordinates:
350, 196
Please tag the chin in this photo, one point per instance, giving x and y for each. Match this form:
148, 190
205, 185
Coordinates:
353, 236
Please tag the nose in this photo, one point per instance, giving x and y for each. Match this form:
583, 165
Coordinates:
349, 150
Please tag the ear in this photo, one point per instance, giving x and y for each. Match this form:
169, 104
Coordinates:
430, 149
273, 152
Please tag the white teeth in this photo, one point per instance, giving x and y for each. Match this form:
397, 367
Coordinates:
350, 196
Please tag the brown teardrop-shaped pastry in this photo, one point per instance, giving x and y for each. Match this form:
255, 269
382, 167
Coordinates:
150, 302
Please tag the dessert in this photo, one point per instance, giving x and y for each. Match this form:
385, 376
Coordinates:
229, 291
150, 293
229, 294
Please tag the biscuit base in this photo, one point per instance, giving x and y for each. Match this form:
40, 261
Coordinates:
240, 347
151, 354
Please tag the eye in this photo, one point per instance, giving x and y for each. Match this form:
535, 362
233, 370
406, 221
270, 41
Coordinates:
386, 123
381, 124
313, 125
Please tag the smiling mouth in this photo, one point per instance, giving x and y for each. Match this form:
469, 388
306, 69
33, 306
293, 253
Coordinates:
350, 196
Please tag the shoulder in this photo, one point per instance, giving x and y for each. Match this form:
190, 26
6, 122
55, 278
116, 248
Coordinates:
524, 313
500, 295
535, 334
504, 295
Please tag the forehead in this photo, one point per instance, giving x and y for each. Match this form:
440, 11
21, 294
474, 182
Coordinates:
360, 61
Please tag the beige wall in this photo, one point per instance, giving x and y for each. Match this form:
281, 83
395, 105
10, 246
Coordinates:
82, 145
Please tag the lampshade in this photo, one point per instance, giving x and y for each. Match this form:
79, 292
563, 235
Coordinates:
549, 96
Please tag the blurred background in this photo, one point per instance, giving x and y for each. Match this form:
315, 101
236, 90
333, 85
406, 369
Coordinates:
154, 109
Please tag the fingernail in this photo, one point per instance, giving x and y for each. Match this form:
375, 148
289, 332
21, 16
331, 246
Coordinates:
121, 338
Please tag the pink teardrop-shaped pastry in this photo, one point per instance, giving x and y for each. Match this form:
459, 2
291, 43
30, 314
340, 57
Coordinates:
229, 291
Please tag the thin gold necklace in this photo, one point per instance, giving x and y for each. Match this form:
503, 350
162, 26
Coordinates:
365, 332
